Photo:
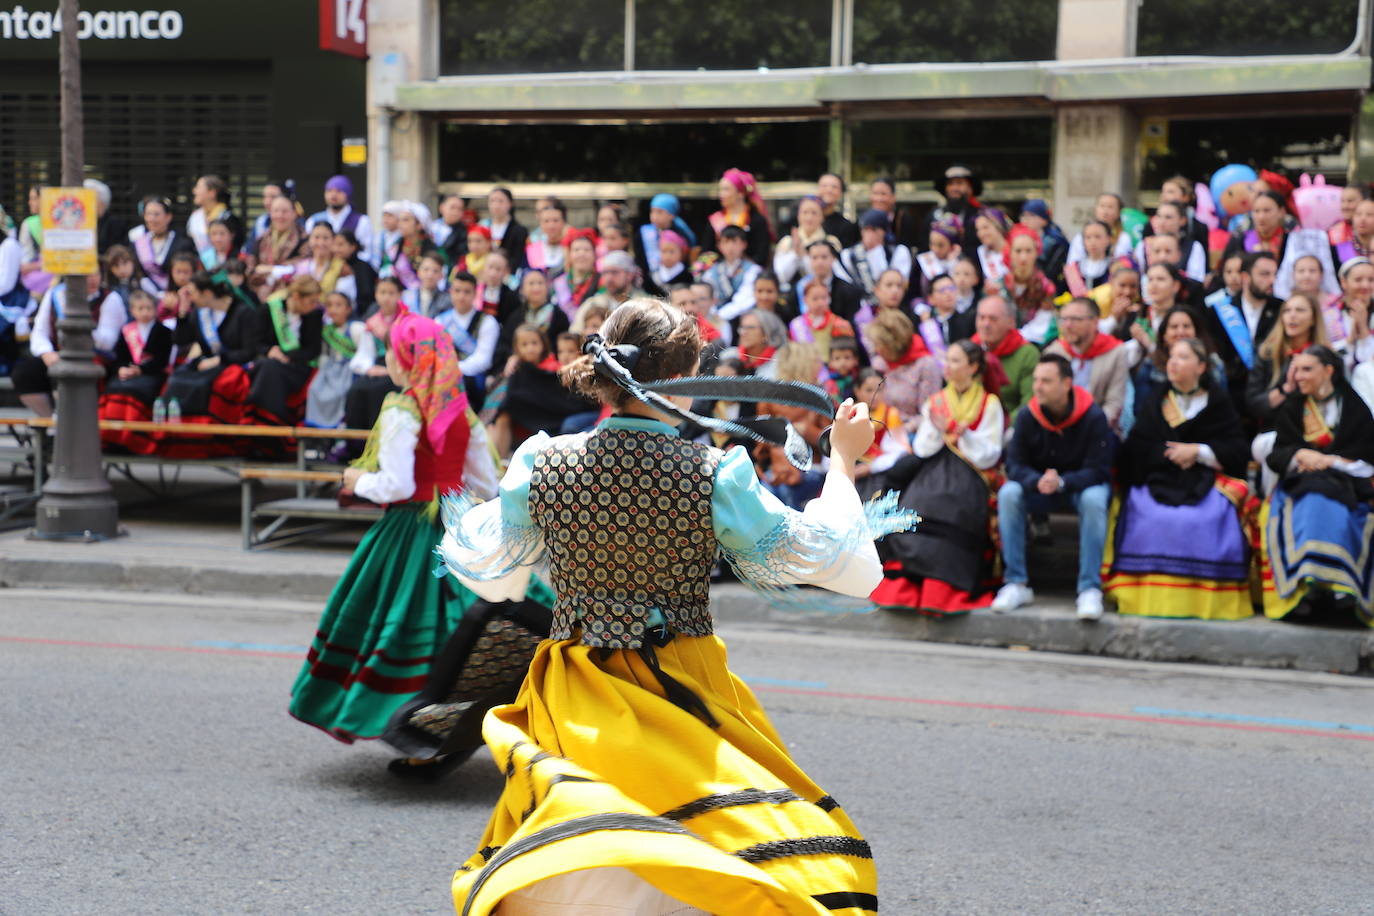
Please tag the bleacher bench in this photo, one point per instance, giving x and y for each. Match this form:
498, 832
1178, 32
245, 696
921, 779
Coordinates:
321, 514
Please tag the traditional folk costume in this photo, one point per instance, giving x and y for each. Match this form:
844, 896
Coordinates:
639, 769
334, 275
389, 615
1317, 525
30, 373
1151, 567
805, 329
149, 347
947, 566
363, 403
277, 397
154, 254
912, 380
345, 353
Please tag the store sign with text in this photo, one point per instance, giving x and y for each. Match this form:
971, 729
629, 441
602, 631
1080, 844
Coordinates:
343, 27
19, 23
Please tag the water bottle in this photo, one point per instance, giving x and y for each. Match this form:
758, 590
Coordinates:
173, 411
159, 411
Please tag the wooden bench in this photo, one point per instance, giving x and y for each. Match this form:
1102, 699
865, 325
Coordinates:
323, 514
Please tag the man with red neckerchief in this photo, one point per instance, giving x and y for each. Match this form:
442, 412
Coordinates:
1100, 363
1014, 356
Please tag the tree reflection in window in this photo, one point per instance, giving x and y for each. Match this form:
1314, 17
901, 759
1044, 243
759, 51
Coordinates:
530, 36
919, 31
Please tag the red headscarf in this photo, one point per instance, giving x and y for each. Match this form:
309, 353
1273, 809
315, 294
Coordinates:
573, 235
425, 351
1016, 231
1281, 186
746, 185
480, 230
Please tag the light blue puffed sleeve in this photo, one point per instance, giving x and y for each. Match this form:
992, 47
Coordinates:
829, 544
493, 547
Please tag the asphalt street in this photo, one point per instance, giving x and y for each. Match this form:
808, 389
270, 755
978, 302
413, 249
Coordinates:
150, 767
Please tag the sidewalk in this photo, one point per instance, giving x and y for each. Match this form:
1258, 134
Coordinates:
205, 559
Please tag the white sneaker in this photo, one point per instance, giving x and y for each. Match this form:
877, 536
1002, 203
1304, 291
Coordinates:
1012, 596
1090, 604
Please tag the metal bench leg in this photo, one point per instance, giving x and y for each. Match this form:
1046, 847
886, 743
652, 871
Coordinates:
246, 513
300, 466
39, 437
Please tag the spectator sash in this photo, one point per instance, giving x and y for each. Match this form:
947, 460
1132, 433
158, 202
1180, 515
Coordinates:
464, 340
339, 340
281, 325
209, 329
863, 271
147, 257
134, 340
1233, 322
933, 333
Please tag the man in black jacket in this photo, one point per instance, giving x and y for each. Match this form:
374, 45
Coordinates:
960, 187
845, 298
1240, 323
1059, 460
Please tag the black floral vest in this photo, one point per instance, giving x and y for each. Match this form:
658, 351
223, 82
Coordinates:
626, 517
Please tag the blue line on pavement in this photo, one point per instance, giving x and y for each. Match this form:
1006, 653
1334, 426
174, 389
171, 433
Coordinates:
1255, 720
247, 646
779, 682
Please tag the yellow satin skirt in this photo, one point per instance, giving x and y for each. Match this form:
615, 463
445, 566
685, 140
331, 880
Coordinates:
603, 771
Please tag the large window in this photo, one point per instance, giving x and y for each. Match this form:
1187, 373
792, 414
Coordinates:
1198, 148
998, 149
1245, 26
918, 31
730, 35
667, 153
531, 36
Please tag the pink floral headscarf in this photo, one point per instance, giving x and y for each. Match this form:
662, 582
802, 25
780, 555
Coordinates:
425, 351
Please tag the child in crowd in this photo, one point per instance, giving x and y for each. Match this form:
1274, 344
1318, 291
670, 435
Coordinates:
174, 302
767, 294
568, 347
616, 237
530, 398
672, 267
427, 299
122, 274
841, 371
890, 440
569, 350
591, 315
732, 276
479, 246
137, 373
347, 351
474, 333
965, 276
538, 309
818, 325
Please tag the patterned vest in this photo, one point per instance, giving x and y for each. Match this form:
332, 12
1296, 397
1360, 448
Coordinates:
626, 517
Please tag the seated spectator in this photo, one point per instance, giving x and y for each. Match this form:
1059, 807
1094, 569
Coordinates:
1241, 322
615, 237
494, 295
818, 324
1308, 276
789, 258
1141, 324
1024, 284
219, 245
741, 206
289, 342
531, 398
732, 276
156, 242
121, 274
1014, 356
961, 188
171, 299
1226, 282
768, 295
475, 335
1180, 323
830, 189
846, 299
412, 245
210, 194
479, 246
364, 400
1164, 249
548, 252
386, 246
699, 299
620, 277
945, 567
280, 245
865, 262
1266, 231
1106, 210
324, 265
347, 351
942, 254
1090, 270
902, 226
890, 294
943, 323
1272, 380
568, 348
1059, 460
1098, 361
270, 192
1172, 219
339, 215
841, 370
890, 441
220, 336
1054, 248
1347, 318
450, 230
1182, 469
671, 264
580, 280
134, 378
665, 213
426, 297
1353, 233
348, 249
796, 362
965, 274
1317, 524
507, 234
591, 315
32, 381
992, 228
761, 335
911, 374
536, 309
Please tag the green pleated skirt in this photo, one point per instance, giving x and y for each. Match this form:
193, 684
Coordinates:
385, 621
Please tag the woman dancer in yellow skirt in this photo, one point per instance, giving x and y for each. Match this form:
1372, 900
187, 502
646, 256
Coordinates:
642, 777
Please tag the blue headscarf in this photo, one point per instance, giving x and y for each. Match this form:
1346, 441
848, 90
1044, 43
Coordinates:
670, 203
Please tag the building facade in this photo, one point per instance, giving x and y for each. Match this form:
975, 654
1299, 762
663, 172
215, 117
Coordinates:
238, 89
598, 99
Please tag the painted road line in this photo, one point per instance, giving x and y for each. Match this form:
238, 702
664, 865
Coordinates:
1254, 720
249, 646
780, 682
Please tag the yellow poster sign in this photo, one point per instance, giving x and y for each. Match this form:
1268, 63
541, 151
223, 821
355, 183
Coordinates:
69, 219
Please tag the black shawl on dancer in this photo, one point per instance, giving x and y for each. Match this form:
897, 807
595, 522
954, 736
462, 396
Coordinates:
1142, 459
1353, 440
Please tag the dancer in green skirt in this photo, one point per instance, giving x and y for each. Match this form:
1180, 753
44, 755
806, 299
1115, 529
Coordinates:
389, 615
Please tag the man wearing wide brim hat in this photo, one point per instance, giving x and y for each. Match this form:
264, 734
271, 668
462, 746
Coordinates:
961, 188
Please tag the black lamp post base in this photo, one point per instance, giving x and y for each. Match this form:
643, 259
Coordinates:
76, 518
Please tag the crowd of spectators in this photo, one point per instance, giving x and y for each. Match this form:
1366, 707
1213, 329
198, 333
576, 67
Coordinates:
1125, 370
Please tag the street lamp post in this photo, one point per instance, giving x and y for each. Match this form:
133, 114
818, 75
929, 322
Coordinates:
77, 500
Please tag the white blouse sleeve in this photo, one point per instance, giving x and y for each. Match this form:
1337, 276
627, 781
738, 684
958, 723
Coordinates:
829, 544
395, 481
479, 466
493, 547
39, 341
113, 317
365, 357
928, 439
982, 445
10, 256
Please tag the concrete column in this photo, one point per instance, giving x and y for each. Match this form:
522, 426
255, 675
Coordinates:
1095, 146
403, 47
